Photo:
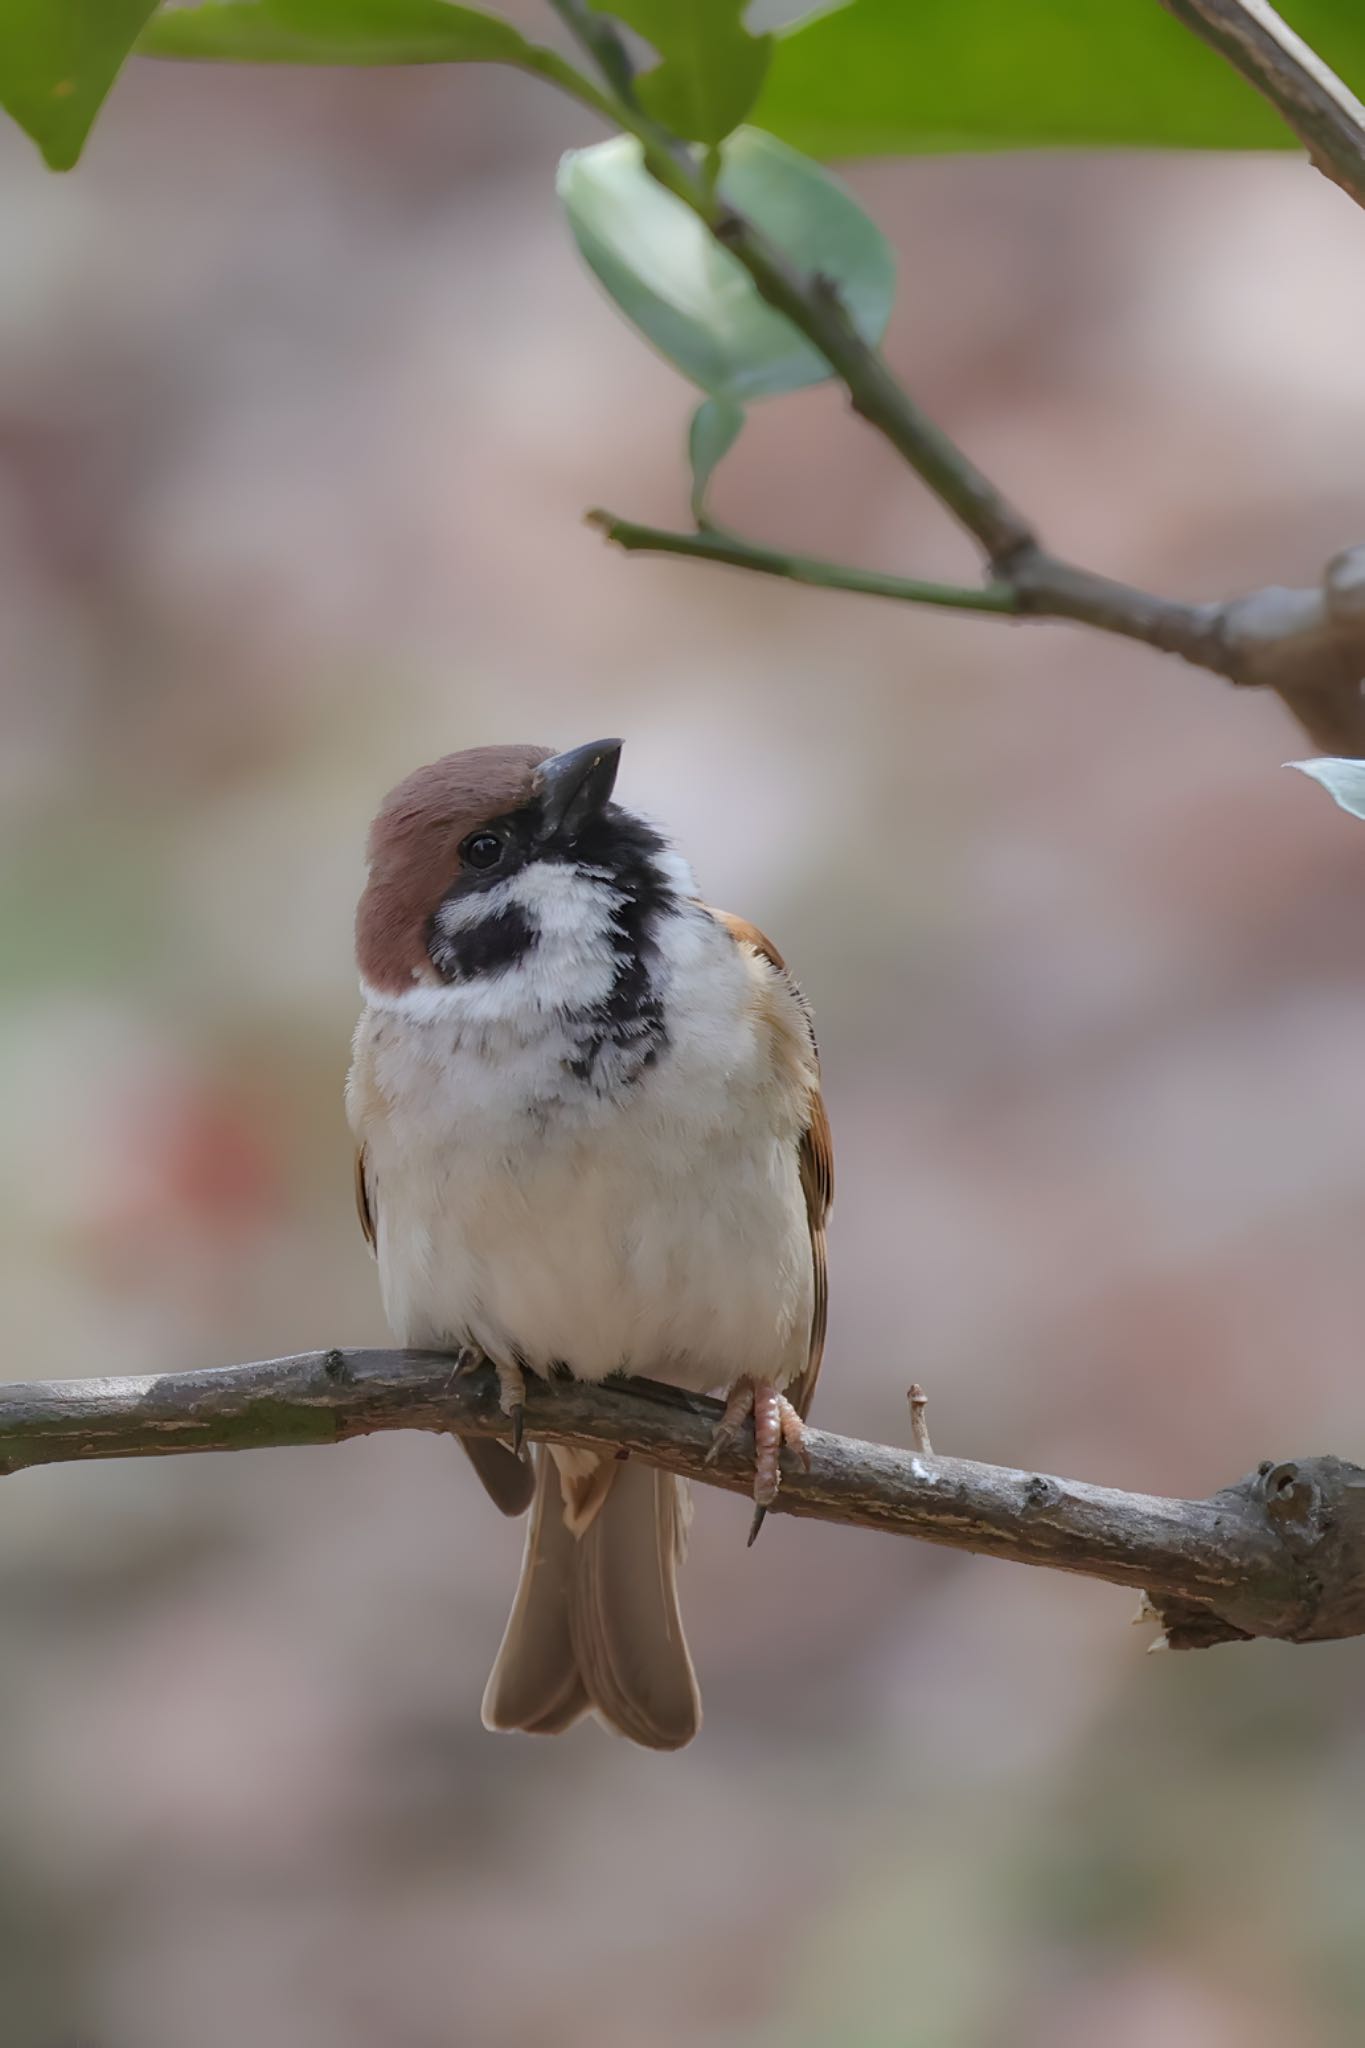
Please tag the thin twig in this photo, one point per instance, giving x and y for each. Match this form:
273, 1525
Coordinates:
1322, 111
710, 544
919, 1426
812, 304
1299, 642
1282, 1554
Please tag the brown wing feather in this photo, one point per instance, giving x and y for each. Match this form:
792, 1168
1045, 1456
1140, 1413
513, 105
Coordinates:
364, 1209
817, 1178
817, 1163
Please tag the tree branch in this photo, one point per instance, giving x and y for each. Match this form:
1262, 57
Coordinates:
1322, 111
813, 305
1281, 1554
1303, 643
1307, 645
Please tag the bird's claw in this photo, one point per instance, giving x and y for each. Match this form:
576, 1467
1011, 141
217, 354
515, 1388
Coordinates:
512, 1401
776, 1426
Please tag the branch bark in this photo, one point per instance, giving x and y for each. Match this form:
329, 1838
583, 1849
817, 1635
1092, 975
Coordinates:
1320, 108
1281, 1554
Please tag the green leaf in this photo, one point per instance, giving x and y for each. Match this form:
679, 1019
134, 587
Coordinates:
58, 59
714, 430
1344, 780
711, 67
334, 32
692, 298
880, 77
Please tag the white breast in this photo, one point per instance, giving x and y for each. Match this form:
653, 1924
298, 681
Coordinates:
656, 1225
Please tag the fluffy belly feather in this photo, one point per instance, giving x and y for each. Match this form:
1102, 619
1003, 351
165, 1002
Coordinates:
588, 1251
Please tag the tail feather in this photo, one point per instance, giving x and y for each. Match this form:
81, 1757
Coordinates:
562, 1714
595, 1625
535, 1683
507, 1479
624, 1619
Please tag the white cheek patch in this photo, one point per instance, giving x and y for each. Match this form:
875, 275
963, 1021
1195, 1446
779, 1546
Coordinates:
455, 914
573, 904
569, 966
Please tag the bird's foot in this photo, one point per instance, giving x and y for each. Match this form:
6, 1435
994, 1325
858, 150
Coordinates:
776, 1425
512, 1400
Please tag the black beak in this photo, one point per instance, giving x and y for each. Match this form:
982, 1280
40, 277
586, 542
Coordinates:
573, 787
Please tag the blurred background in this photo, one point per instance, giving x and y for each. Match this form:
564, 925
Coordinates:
302, 394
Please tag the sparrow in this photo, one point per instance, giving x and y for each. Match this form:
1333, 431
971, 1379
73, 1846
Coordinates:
590, 1141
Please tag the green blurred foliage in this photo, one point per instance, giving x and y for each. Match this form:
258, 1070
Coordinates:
711, 68
883, 78
58, 62
871, 78
333, 32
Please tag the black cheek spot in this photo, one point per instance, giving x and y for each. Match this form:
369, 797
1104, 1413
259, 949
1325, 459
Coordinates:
492, 946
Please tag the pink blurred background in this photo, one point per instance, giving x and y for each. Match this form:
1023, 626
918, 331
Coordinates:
302, 394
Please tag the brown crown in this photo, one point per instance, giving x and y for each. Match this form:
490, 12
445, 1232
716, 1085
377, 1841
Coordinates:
413, 853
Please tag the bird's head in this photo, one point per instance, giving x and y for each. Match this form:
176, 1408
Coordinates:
506, 858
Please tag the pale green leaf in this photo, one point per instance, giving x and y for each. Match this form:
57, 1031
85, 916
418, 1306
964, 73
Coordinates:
1344, 780
715, 428
689, 296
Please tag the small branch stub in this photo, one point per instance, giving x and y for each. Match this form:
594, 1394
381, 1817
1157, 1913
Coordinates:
919, 1427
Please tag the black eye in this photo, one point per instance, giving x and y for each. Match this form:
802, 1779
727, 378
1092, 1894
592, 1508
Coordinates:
481, 850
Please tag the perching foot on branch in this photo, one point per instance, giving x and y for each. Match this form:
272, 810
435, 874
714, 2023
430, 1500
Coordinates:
512, 1400
776, 1423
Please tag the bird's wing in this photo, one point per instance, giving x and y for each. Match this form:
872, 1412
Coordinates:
816, 1155
364, 1199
